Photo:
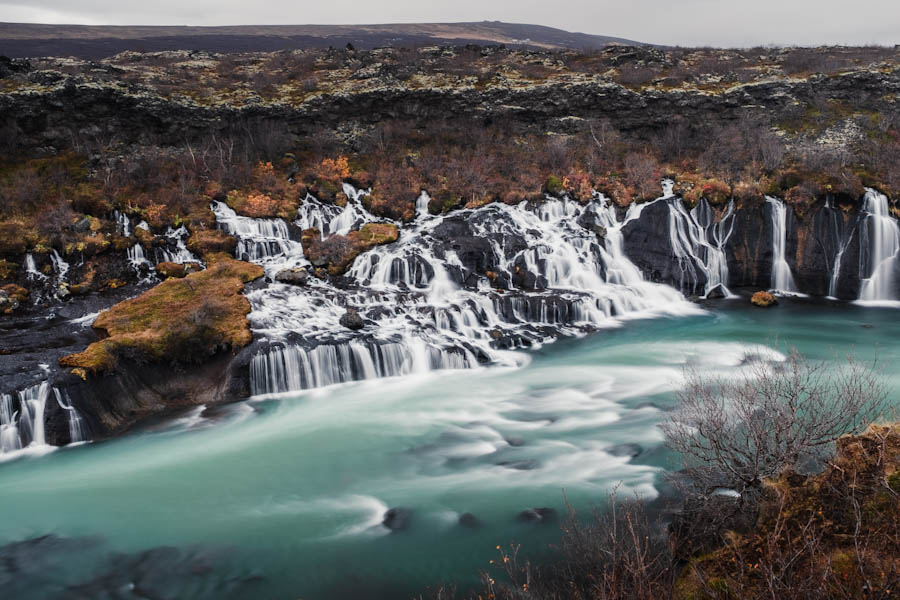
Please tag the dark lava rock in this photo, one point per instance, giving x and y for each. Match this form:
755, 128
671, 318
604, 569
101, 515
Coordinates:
514, 441
631, 450
352, 320
716, 293
469, 521
296, 276
397, 519
537, 515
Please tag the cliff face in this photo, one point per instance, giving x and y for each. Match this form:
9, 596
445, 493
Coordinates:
52, 113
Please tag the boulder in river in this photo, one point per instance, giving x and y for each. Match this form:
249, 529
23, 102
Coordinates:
763, 299
352, 320
295, 276
717, 293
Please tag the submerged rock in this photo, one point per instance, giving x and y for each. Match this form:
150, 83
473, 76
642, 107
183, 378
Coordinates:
537, 515
397, 519
630, 450
469, 521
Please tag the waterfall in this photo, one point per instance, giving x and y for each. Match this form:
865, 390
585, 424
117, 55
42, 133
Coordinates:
698, 243
295, 368
782, 278
22, 418
123, 224
31, 268
427, 306
137, 258
23, 427
840, 243
263, 241
422, 205
879, 248
77, 427
60, 267
180, 254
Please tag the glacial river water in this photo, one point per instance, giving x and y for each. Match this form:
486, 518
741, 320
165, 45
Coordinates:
283, 497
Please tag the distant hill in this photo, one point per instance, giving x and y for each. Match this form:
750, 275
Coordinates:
21, 40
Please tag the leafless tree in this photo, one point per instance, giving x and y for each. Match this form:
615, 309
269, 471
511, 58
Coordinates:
733, 432
642, 170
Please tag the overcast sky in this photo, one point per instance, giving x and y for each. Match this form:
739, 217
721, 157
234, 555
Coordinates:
683, 22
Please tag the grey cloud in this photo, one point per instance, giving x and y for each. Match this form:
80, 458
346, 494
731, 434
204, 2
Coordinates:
683, 22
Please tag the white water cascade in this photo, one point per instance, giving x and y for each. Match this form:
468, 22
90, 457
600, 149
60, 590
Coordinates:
31, 268
180, 254
22, 419
879, 249
60, 266
428, 306
698, 241
23, 427
266, 242
782, 278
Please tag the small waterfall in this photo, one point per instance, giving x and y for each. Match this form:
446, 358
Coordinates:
294, 368
422, 205
23, 427
60, 267
880, 246
22, 418
77, 427
123, 224
698, 242
31, 268
840, 242
137, 258
313, 214
782, 278
263, 241
180, 254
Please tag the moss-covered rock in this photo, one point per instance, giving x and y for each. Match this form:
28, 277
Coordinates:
211, 241
12, 297
179, 320
337, 252
763, 299
169, 269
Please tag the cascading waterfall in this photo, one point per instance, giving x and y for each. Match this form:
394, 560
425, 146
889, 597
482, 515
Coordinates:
698, 241
263, 241
180, 254
22, 418
23, 427
425, 309
879, 248
782, 278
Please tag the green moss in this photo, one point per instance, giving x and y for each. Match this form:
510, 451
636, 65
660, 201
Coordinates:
553, 185
179, 320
